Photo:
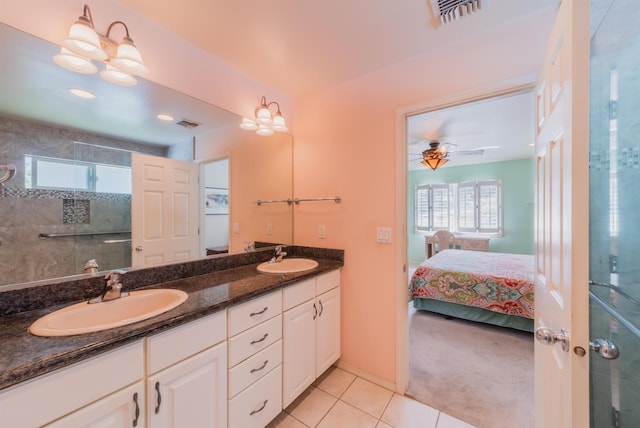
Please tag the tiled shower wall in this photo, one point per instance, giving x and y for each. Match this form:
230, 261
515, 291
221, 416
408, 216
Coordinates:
615, 384
26, 213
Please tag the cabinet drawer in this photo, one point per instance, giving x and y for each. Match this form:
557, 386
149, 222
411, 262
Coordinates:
246, 315
251, 341
168, 348
254, 368
257, 405
327, 281
296, 294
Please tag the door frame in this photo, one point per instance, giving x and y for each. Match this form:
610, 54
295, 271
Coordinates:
505, 87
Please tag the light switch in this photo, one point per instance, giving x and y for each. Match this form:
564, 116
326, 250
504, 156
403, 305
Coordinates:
236, 227
269, 229
383, 235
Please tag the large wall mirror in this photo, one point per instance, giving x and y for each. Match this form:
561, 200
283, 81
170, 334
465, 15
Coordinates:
70, 199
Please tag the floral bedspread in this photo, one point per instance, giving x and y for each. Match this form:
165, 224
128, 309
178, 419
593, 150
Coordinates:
495, 281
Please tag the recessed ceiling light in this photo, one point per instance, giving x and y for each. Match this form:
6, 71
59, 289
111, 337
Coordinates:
166, 117
82, 93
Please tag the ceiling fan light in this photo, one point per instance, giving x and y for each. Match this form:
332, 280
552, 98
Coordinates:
113, 75
70, 61
434, 162
264, 130
248, 124
83, 40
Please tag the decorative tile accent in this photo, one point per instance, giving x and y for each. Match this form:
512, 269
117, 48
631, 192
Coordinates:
62, 194
75, 211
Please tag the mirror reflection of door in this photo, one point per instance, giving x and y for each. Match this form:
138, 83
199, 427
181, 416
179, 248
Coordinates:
215, 233
164, 210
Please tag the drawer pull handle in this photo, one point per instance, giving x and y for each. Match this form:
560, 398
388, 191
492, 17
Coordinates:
321, 308
315, 308
253, 412
159, 398
260, 368
135, 400
253, 342
253, 314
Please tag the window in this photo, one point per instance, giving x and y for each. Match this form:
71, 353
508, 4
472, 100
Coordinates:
64, 174
467, 207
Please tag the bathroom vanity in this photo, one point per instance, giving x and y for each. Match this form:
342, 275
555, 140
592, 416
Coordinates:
242, 347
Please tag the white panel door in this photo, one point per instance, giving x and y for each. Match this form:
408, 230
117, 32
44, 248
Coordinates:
164, 210
562, 224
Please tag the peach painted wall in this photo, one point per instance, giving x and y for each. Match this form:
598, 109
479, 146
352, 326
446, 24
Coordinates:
345, 144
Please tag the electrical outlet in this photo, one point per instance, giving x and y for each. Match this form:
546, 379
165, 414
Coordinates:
236, 227
269, 229
322, 231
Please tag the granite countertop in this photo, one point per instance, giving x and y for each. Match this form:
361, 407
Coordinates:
24, 356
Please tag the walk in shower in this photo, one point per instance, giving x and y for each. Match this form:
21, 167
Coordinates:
614, 170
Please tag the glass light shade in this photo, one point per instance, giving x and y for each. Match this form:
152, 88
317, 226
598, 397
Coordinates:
83, 40
278, 123
129, 59
70, 61
264, 130
248, 124
263, 116
434, 162
113, 75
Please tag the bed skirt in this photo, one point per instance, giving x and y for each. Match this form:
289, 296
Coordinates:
474, 314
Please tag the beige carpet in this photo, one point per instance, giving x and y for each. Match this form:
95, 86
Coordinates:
477, 373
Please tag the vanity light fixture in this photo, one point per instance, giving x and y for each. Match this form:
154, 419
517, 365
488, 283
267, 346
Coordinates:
123, 60
264, 123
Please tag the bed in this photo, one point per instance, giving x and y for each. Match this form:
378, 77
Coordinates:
493, 288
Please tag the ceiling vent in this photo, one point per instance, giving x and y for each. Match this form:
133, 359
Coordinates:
188, 124
450, 10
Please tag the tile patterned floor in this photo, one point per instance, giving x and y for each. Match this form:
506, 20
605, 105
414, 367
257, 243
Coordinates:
339, 399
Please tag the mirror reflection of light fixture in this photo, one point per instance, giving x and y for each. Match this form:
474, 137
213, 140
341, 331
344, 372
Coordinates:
84, 44
435, 156
264, 123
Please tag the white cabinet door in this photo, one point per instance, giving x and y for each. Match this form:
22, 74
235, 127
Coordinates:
192, 393
299, 350
327, 330
122, 409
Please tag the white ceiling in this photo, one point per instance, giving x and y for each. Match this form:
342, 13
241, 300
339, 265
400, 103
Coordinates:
301, 46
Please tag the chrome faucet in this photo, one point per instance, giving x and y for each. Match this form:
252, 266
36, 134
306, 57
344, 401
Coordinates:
91, 266
113, 287
279, 254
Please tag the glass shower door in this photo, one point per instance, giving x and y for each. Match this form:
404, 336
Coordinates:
614, 210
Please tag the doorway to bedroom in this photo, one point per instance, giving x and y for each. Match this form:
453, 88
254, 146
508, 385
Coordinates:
481, 193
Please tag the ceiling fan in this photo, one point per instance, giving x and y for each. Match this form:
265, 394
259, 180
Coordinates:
437, 154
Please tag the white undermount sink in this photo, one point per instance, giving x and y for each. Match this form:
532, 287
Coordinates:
288, 266
86, 318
